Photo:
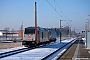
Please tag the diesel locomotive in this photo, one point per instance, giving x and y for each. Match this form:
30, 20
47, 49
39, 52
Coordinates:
36, 36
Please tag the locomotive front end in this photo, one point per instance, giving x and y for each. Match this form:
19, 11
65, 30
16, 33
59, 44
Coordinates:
29, 36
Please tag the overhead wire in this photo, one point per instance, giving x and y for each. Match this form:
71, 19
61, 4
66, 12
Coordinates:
67, 23
63, 14
58, 12
54, 9
55, 4
61, 10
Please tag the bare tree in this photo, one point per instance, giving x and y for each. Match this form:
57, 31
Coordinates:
6, 31
12, 33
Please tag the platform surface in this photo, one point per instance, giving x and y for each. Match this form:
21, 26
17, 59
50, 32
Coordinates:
76, 52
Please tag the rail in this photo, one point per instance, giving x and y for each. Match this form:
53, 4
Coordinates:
57, 50
5, 54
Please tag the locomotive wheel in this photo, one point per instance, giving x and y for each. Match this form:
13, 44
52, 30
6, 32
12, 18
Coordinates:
29, 46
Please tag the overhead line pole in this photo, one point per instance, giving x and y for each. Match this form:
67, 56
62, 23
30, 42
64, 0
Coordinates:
60, 31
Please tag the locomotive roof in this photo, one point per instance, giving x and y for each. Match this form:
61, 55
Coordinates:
30, 27
39, 28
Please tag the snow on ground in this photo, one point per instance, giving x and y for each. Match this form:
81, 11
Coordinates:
60, 52
39, 53
11, 49
20, 47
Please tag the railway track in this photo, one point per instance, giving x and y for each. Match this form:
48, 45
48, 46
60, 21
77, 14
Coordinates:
53, 54
41, 53
9, 53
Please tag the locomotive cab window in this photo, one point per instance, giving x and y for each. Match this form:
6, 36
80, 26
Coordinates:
29, 30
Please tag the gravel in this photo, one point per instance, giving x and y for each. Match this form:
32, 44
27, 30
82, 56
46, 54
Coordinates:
10, 45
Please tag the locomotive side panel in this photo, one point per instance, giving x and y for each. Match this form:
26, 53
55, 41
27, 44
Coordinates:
43, 36
53, 35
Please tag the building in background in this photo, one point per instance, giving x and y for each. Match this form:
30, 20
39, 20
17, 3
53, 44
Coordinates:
21, 33
1, 33
10, 35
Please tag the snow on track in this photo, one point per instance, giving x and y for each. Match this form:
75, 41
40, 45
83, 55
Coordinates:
38, 53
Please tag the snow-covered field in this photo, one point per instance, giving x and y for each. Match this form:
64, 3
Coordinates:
39, 53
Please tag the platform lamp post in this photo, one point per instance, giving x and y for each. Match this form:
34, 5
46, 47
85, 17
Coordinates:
88, 24
86, 29
88, 35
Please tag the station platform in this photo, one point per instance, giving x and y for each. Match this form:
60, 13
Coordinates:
76, 52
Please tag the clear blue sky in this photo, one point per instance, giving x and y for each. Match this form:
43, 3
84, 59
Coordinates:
14, 12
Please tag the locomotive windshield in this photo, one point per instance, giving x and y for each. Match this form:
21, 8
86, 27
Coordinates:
29, 30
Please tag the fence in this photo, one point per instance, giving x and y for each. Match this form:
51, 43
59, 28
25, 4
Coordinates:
2, 38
